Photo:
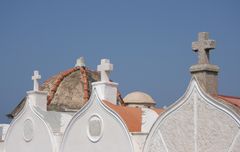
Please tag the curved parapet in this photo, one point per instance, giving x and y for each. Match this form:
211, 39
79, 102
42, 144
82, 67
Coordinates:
196, 122
96, 127
28, 132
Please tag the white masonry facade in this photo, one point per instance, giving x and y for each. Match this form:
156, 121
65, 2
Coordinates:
200, 121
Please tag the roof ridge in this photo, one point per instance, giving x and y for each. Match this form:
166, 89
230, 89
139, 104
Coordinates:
84, 79
228, 96
58, 81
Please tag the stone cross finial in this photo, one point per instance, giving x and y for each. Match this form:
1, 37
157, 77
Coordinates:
203, 46
35, 79
80, 62
105, 68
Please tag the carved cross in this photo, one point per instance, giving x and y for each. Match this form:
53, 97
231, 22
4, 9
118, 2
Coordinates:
35, 79
203, 46
105, 68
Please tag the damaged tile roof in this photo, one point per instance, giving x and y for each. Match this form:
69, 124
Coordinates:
67, 91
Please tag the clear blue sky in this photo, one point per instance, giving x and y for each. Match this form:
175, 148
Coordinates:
149, 43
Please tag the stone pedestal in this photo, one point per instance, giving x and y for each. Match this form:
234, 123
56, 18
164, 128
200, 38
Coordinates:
38, 99
106, 91
207, 76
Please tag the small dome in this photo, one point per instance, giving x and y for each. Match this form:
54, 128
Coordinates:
138, 98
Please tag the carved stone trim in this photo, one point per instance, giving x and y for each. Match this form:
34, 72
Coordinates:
28, 130
95, 128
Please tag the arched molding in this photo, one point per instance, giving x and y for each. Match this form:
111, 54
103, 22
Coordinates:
96, 101
193, 89
30, 113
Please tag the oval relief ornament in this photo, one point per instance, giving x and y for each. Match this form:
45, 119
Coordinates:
28, 130
95, 128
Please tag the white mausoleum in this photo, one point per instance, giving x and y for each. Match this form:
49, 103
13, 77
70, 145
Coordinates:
82, 110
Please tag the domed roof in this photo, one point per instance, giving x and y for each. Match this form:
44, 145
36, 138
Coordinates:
138, 97
68, 90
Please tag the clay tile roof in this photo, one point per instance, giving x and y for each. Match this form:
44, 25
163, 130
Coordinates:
230, 99
67, 91
158, 110
131, 116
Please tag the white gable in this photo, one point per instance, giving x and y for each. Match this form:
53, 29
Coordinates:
28, 132
195, 123
96, 128
3, 131
149, 117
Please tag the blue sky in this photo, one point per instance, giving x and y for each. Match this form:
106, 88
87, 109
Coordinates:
149, 43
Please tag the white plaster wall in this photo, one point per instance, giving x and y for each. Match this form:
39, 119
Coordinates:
1, 146
235, 147
148, 119
3, 131
139, 140
196, 123
176, 132
41, 141
157, 144
215, 129
114, 136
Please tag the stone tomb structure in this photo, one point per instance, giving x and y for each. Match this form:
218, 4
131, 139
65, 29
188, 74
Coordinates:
198, 123
82, 110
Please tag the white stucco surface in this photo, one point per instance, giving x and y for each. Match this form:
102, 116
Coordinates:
106, 91
109, 134
139, 140
3, 132
1, 146
235, 147
216, 130
149, 117
195, 123
28, 132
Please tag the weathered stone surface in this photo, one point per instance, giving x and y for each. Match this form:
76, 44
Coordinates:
203, 46
236, 143
178, 129
207, 77
157, 144
70, 91
215, 129
205, 72
196, 123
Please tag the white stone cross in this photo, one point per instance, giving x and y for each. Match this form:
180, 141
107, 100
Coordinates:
35, 79
203, 46
105, 68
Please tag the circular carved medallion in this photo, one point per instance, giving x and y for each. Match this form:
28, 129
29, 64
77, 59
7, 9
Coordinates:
95, 128
28, 130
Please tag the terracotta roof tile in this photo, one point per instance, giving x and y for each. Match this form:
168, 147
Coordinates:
158, 110
131, 116
230, 99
